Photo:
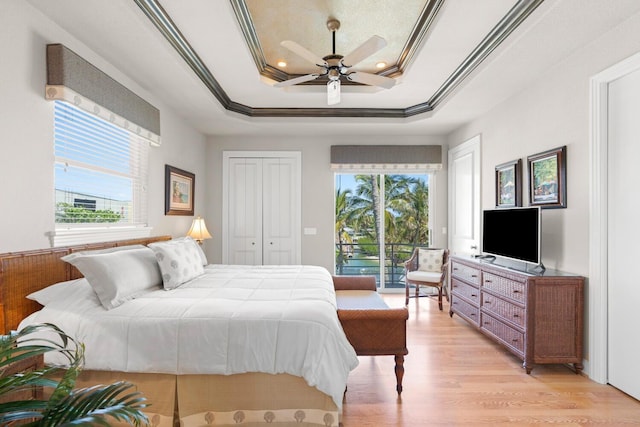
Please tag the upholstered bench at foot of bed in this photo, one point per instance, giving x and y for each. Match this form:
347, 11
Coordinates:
371, 326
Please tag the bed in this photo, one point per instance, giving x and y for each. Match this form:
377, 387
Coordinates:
265, 343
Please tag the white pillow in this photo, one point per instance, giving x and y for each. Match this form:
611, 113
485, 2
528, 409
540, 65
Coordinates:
54, 292
430, 259
72, 255
120, 275
179, 261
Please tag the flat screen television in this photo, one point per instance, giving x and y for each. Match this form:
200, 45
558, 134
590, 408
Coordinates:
512, 233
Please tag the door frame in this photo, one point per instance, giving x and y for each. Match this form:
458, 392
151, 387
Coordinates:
297, 215
597, 316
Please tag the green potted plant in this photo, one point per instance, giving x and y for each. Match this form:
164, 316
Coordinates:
65, 405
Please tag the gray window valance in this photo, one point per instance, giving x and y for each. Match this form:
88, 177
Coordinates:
381, 158
71, 78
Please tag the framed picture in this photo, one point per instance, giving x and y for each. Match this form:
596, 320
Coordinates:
548, 178
509, 184
179, 189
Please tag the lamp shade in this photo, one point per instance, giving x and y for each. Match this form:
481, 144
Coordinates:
198, 230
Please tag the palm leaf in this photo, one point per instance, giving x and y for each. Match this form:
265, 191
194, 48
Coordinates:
94, 404
66, 406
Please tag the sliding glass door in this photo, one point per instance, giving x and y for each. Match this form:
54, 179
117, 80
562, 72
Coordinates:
379, 219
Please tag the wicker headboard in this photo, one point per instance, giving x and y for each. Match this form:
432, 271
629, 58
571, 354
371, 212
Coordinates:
22, 273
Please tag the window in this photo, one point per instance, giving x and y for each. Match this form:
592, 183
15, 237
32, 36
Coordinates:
100, 178
379, 219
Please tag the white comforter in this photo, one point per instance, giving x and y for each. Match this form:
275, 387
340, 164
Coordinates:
232, 319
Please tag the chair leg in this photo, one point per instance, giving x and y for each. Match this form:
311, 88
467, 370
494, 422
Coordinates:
440, 298
417, 291
406, 293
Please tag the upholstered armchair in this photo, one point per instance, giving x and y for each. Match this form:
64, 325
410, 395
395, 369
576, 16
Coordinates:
427, 267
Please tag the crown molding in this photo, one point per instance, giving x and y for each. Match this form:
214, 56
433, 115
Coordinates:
163, 22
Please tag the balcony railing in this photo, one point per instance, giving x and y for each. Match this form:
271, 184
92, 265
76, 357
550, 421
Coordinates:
362, 259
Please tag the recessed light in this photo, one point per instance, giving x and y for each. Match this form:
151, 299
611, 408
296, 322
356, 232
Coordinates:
282, 64
381, 64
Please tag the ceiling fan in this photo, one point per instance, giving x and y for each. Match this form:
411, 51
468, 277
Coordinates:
335, 66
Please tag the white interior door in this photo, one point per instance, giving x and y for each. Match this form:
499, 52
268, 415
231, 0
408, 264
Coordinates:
262, 208
280, 189
464, 198
244, 230
624, 233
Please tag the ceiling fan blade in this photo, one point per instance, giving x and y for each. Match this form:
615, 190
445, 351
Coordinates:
333, 92
303, 53
365, 50
297, 80
372, 79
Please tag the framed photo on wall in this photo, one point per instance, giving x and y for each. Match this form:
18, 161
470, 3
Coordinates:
179, 191
509, 184
548, 178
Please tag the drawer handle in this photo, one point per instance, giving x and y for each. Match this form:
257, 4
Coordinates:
474, 295
472, 314
487, 281
515, 340
486, 323
515, 315
515, 291
487, 301
455, 268
474, 275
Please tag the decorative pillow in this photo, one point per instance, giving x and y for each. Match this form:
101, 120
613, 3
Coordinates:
120, 275
430, 259
179, 261
203, 257
54, 292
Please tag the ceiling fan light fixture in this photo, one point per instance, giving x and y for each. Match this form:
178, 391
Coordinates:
282, 64
337, 66
381, 64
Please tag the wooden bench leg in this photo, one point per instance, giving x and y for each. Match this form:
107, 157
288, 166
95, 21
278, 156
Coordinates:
399, 372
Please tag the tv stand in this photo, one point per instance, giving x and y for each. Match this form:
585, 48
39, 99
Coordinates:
536, 316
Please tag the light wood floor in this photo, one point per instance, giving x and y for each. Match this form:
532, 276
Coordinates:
454, 376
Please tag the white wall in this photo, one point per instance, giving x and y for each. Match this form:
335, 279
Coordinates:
552, 112
26, 141
318, 191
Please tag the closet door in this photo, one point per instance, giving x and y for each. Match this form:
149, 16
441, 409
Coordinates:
244, 231
279, 200
262, 211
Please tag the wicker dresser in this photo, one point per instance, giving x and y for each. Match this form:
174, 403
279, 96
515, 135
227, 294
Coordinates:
539, 318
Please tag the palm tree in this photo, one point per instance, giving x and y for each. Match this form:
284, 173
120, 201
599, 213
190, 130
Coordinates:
413, 214
344, 213
366, 206
65, 406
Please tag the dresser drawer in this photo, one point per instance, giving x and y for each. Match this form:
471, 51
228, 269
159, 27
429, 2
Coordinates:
466, 310
504, 309
506, 287
470, 274
509, 336
467, 291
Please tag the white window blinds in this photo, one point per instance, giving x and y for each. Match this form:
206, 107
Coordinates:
100, 173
